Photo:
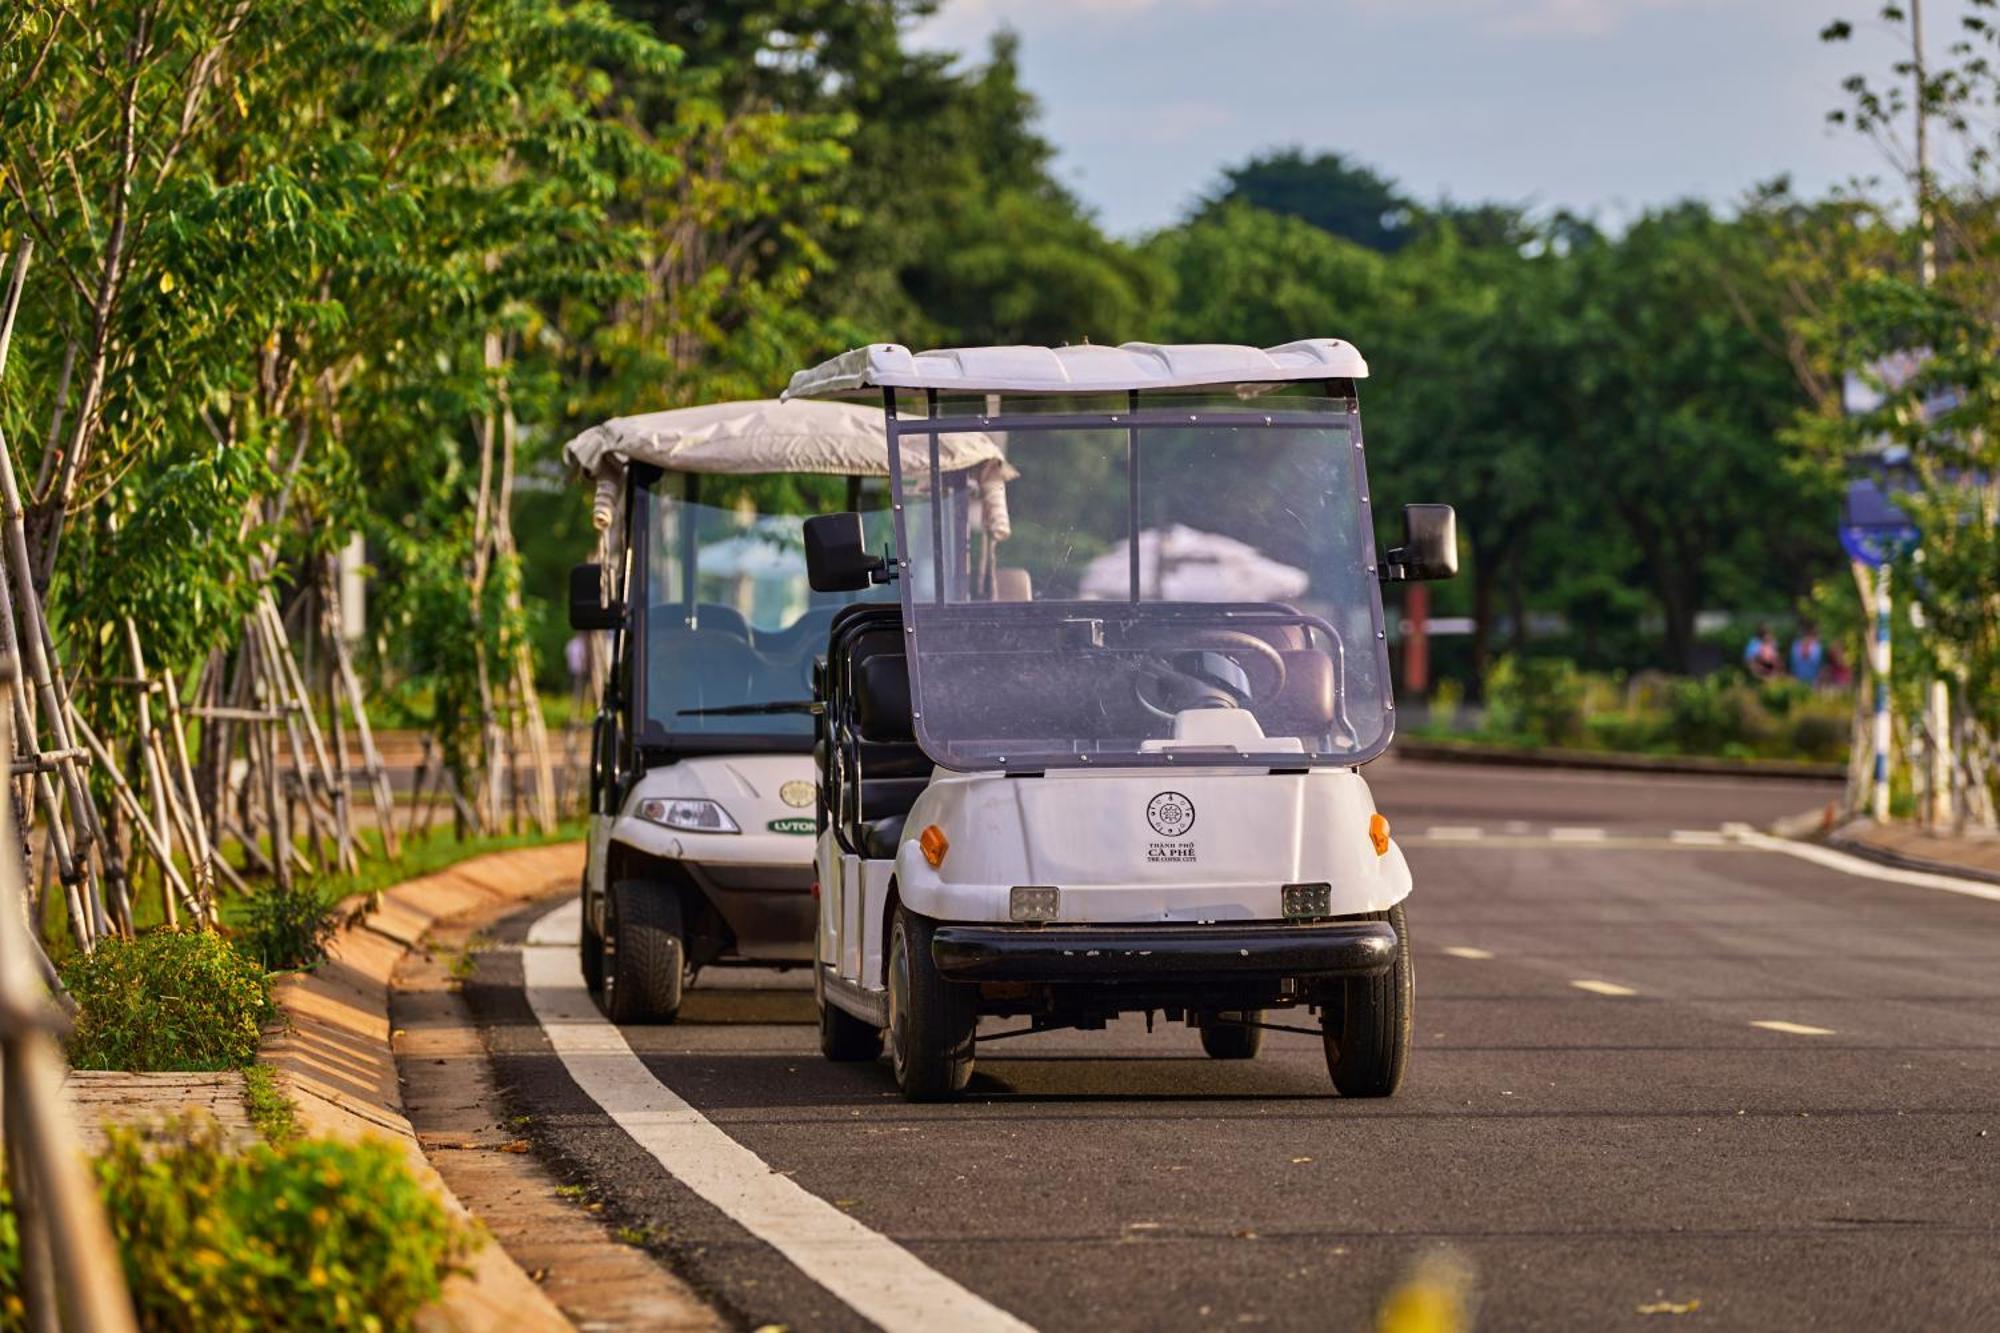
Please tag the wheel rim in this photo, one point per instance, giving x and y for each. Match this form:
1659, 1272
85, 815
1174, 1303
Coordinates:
899, 1000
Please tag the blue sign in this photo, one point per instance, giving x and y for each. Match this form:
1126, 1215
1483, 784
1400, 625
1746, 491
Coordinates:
1872, 529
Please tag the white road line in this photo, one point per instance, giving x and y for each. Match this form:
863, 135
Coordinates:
1467, 951
1854, 865
1795, 1029
1577, 835
1699, 837
1460, 831
881, 1280
1596, 987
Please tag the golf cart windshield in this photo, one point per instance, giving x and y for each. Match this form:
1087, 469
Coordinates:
1186, 581
731, 627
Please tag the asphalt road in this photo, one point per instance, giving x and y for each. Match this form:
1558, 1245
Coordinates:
1589, 1150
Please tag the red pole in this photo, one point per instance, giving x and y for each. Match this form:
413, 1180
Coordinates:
1416, 640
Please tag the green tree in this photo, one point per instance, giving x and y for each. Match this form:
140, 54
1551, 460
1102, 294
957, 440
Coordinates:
1679, 393
1909, 305
1330, 191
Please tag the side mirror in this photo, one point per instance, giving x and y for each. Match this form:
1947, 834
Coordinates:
1429, 549
586, 600
837, 560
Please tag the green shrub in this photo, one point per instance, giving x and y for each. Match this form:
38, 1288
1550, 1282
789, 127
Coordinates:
168, 1000
271, 1111
13, 1313
1782, 695
308, 1234
1821, 735
288, 926
1722, 714
1539, 698
1447, 697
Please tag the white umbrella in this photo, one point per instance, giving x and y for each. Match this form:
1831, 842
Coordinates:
752, 555
1184, 564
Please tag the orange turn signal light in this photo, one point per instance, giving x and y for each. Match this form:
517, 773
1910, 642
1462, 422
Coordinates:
1378, 833
934, 845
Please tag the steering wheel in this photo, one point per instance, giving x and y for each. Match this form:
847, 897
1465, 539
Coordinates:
1209, 693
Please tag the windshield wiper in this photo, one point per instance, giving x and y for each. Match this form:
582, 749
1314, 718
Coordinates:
810, 707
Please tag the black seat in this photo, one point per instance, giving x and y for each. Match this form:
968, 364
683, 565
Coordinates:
693, 669
877, 724
881, 838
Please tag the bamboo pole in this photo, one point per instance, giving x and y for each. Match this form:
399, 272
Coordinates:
69, 864
128, 801
335, 786
272, 662
488, 802
371, 758
265, 746
32, 639
71, 856
67, 1223
156, 783
182, 771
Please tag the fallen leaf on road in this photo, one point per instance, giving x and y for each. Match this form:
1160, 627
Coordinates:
1670, 1307
1297, 1160
516, 1145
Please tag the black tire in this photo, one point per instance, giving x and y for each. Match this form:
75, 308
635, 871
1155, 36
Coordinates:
1226, 1040
645, 953
590, 947
932, 1022
1367, 1027
843, 1038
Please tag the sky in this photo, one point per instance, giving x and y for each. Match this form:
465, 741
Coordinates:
1605, 107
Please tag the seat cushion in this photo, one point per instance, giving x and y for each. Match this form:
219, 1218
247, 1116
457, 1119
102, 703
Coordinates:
880, 838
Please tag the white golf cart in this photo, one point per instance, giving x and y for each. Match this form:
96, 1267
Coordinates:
1110, 764
702, 779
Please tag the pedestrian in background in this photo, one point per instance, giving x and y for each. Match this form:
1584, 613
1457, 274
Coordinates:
1760, 655
1808, 655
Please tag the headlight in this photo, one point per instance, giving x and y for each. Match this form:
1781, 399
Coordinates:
688, 815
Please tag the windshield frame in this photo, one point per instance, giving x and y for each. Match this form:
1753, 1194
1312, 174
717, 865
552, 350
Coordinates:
1339, 403
649, 737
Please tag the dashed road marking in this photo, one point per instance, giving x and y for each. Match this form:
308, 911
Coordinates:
1467, 951
882, 1281
1460, 831
1699, 837
1795, 1029
1596, 987
1577, 835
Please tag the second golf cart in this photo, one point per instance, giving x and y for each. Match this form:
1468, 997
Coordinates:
702, 782
1101, 754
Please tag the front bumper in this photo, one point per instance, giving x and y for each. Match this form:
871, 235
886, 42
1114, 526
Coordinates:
1155, 953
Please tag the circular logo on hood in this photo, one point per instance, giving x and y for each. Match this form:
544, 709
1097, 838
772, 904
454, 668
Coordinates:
796, 794
1170, 813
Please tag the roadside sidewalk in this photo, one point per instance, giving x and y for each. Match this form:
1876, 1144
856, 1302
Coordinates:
1615, 761
336, 1063
1972, 855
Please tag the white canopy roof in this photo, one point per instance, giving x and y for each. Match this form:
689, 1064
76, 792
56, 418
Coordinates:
836, 439
1080, 369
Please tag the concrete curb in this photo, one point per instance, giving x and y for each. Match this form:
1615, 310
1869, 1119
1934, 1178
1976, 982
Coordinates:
1474, 752
1850, 841
334, 1056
